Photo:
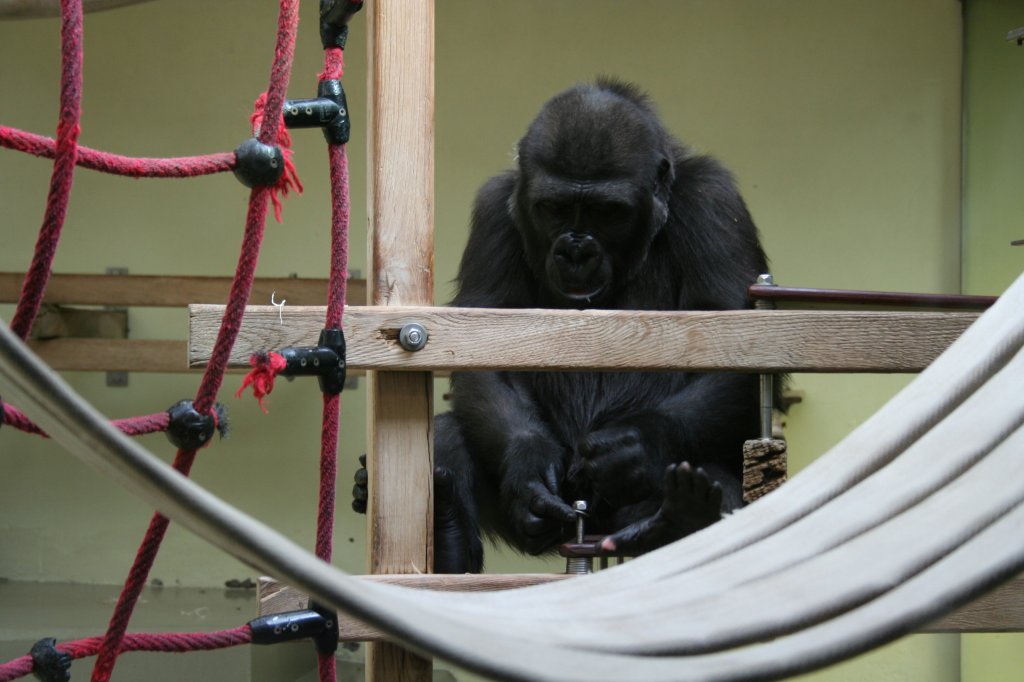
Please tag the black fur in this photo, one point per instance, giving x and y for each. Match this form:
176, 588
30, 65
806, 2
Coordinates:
604, 210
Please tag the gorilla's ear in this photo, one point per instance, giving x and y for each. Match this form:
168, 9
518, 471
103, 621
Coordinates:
663, 191
666, 176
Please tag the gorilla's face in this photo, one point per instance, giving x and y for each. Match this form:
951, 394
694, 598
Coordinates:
592, 192
582, 231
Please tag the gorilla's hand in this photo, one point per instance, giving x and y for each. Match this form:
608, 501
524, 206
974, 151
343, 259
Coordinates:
530, 496
692, 500
619, 464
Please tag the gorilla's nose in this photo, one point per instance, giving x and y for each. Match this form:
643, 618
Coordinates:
580, 253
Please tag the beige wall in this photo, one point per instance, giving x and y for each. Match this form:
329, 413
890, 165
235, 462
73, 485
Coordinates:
841, 121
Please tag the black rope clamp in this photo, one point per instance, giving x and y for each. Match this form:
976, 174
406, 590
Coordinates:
325, 361
258, 164
189, 430
329, 111
334, 18
49, 664
319, 625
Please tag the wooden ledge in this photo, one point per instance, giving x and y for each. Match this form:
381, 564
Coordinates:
1001, 610
541, 339
275, 597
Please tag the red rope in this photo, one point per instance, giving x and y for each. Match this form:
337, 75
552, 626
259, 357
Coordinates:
230, 324
63, 169
16, 418
336, 295
134, 167
269, 123
167, 642
131, 426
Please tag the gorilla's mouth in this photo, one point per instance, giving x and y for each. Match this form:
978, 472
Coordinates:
582, 294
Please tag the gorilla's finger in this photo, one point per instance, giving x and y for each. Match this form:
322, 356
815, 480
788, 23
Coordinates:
361, 477
359, 492
551, 507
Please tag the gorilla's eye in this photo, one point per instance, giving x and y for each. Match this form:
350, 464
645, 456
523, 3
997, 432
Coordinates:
548, 210
615, 212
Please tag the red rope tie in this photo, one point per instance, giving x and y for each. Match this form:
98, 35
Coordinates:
130, 426
168, 642
265, 367
289, 179
115, 164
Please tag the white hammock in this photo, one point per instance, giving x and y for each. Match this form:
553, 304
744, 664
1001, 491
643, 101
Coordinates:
916, 512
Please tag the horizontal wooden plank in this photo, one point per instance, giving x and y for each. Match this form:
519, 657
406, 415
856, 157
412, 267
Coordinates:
65, 322
1001, 610
275, 597
848, 297
113, 355
481, 339
171, 291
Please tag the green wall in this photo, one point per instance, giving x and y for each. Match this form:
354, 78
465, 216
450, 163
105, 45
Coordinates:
840, 120
993, 217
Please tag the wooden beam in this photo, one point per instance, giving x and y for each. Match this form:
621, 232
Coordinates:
275, 597
1001, 610
477, 338
31, 9
171, 291
400, 162
113, 355
65, 322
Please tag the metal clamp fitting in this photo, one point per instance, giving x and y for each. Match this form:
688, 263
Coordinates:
334, 18
325, 361
292, 625
329, 111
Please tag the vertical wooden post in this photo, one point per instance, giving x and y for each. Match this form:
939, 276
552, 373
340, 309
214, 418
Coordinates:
401, 215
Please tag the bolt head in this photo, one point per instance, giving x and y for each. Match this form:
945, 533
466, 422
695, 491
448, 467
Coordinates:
412, 337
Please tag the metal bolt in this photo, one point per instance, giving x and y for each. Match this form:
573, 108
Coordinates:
766, 279
580, 507
579, 565
412, 337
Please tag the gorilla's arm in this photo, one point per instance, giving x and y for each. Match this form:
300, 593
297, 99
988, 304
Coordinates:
514, 450
517, 455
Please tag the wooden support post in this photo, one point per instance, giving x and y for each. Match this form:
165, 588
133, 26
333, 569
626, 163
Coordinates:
400, 93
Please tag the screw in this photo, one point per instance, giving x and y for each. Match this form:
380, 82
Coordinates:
766, 279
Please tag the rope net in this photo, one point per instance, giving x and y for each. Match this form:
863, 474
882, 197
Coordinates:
270, 137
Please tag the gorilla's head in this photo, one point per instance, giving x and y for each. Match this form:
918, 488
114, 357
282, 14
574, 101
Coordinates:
595, 174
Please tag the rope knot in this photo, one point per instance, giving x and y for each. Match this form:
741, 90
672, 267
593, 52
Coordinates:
289, 179
265, 367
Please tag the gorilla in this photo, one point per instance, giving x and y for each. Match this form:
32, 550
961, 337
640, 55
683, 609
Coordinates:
604, 209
